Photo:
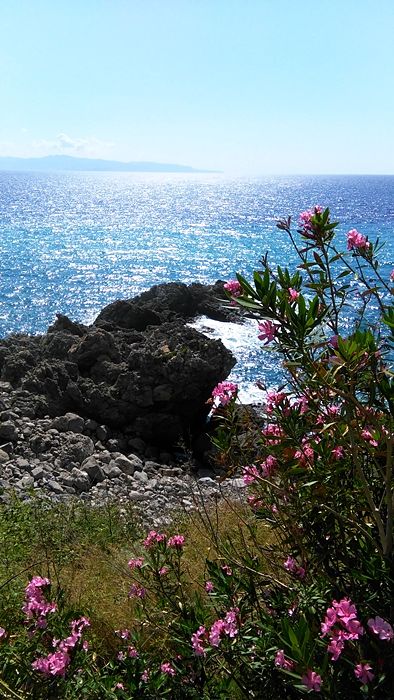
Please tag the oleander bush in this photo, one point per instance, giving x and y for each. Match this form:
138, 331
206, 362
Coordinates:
296, 597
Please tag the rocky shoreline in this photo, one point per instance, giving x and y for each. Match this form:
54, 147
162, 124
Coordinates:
117, 410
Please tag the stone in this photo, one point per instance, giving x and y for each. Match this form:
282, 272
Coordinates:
142, 477
37, 473
127, 466
55, 486
69, 422
8, 431
111, 470
93, 470
80, 480
4, 456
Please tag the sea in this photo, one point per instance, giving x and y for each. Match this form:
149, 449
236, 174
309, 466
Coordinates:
74, 242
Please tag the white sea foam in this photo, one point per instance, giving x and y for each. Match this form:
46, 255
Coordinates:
242, 340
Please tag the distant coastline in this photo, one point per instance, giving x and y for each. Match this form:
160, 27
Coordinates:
71, 163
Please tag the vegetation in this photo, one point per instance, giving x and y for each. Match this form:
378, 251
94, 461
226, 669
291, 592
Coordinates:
287, 595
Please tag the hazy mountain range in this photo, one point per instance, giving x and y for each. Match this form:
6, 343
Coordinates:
53, 163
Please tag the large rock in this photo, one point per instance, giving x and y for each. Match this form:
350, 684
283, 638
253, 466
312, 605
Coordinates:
139, 366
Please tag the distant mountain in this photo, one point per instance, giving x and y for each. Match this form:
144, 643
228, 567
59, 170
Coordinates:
53, 163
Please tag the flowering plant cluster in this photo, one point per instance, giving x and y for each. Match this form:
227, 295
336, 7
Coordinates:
321, 468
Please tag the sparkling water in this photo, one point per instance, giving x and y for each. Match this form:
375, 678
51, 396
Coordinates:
73, 242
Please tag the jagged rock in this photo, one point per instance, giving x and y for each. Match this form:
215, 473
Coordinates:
69, 422
138, 367
8, 431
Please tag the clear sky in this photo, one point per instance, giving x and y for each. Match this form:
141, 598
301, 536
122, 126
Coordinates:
244, 86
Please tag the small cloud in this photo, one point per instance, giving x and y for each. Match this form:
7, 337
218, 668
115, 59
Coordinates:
64, 144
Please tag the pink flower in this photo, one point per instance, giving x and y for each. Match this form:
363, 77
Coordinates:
305, 221
137, 591
274, 399
167, 669
345, 610
333, 341
338, 452
217, 629
282, 662
197, 641
293, 294
132, 652
123, 634
2, 633
136, 563
224, 392
145, 675
230, 623
269, 466
291, 565
233, 287
392, 275
177, 541
356, 240
382, 628
209, 586
368, 437
53, 664
312, 680
153, 538
163, 571
250, 475
267, 331
227, 569
335, 648
364, 673
119, 686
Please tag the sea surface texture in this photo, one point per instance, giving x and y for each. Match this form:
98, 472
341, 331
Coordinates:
73, 242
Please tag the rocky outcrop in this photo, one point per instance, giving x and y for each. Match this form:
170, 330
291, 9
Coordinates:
138, 368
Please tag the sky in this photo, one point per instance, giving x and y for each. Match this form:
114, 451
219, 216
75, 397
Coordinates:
248, 87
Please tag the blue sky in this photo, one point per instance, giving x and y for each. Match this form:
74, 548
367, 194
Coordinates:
244, 86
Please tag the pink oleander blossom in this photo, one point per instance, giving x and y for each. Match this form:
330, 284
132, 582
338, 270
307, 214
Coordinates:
267, 331
336, 647
269, 466
250, 474
163, 571
305, 218
338, 452
176, 542
312, 681
3, 633
293, 567
293, 294
52, 665
281, 661
132, 652
363, 673
153, 538
226, 569
136, 563
233, 287
198, 639
224, 392
123, 634
356, 240
368, 437
209, 587
167, 669
137, 591
382, 628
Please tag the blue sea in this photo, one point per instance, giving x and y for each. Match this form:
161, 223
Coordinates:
73, 242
